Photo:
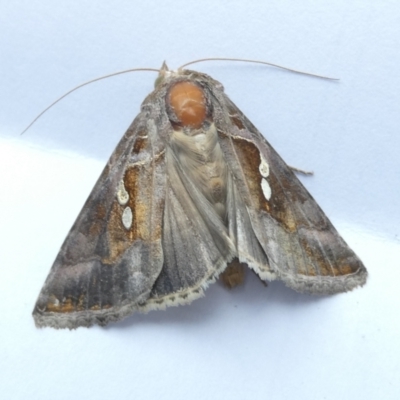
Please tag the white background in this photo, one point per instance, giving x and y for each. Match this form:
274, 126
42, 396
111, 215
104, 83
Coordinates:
253, 342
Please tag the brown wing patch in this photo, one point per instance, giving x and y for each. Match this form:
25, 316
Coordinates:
137, 201
276, 206
136, 182
96, 226
236, 121
140, 143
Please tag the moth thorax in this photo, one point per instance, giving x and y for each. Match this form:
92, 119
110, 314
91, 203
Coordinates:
188, 103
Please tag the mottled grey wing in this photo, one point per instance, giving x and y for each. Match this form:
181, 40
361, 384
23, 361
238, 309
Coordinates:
196, 243
113, 254
302, 246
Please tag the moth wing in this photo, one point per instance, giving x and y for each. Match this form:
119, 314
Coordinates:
113, 254
196, 243
301, 245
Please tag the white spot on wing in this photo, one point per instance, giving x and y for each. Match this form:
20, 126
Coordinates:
127, 217
264, 167
264, 171
122, 194
266, 188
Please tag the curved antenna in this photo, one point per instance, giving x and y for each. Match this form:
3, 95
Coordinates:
84, 84
258, 62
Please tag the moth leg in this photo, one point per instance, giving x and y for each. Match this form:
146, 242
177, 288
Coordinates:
301, 171
233, 274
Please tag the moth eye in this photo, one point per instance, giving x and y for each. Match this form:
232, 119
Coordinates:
188, 102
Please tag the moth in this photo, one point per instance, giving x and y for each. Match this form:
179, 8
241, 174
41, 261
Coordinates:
192, 191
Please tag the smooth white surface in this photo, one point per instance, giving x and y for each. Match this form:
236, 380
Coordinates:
253, 342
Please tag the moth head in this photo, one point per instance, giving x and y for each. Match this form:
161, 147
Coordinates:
186, 101
188, 104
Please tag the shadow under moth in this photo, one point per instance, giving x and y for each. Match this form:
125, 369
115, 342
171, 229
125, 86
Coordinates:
192, 191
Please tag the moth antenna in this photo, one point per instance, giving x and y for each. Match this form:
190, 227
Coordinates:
258, 62
84, 84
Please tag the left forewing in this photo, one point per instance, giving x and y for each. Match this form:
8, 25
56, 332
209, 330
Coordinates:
302, 246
